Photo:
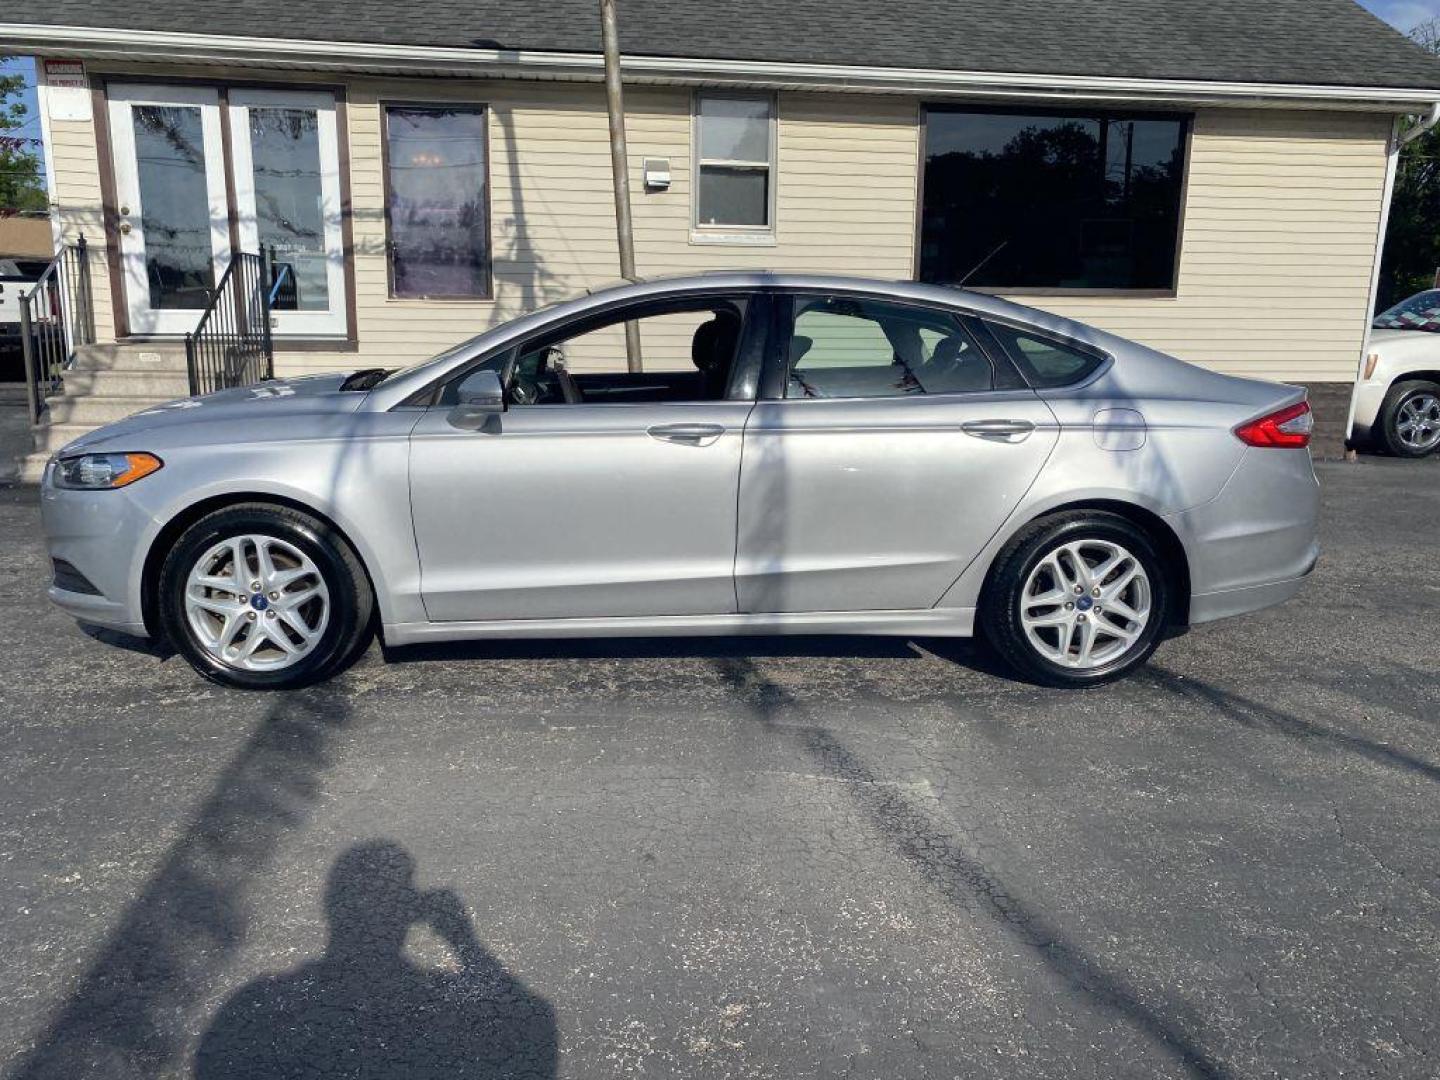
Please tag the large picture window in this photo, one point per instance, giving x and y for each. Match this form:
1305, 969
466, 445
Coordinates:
436, 202
1039, 200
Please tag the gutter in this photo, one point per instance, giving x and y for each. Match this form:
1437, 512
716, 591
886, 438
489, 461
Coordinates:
151, 46
1419, 128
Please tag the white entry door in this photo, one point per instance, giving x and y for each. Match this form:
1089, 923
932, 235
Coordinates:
287, 193
173, 213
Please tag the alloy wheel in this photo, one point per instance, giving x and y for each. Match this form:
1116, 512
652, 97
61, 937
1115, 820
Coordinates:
1085, 604
256, 603
1417, 421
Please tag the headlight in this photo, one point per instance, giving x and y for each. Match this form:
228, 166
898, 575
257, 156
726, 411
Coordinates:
103, 472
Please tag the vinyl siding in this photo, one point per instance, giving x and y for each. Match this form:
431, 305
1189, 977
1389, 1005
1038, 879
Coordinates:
1281, 214
79, 207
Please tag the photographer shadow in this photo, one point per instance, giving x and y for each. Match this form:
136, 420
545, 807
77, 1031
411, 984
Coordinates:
364, 1009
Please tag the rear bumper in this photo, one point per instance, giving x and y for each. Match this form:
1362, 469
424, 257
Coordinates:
1253, 545
102, 535
1207, 607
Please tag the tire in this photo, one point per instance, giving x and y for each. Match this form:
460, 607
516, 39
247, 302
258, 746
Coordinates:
1410, 419
1013, 605
319, 598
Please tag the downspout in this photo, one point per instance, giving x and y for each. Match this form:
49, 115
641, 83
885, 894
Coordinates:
1399, 139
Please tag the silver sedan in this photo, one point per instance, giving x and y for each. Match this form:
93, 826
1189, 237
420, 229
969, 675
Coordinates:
760, 454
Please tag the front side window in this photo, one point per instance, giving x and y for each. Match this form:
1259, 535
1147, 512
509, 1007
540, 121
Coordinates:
849, 348
735, 162
1052, 200
436, 207
688, 350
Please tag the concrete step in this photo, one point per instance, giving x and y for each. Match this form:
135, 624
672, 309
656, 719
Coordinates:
129, 382
32, 467
167, 356
98, 409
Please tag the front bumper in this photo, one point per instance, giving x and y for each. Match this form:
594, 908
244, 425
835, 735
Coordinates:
1369, 396
103, 534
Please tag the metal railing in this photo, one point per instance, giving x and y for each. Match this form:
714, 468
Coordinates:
231, 346
57, 316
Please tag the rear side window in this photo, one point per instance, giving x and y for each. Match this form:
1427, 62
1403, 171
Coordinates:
851, 348
1044, 362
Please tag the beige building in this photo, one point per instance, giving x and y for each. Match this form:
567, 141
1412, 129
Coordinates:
1216, 188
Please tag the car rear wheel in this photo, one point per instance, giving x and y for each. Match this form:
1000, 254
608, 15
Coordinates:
1410, 419
1077, 599
264, 597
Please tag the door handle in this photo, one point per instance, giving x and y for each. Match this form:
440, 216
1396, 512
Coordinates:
1007, 431
687, 434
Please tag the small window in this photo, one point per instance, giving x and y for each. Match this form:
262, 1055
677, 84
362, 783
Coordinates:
688, 350
436, 208
735, 163
1045, 363
847, 348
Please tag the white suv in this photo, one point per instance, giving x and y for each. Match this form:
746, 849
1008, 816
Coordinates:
1397, 400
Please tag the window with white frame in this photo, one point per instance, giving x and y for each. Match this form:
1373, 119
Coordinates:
735, 163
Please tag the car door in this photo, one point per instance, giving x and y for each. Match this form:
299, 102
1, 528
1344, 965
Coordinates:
619, 504
888, 447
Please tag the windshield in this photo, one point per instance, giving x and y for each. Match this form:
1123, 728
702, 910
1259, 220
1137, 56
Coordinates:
434, 361
1420, 312
470, 345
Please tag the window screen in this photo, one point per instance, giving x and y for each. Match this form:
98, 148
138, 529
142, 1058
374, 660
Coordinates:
735, 162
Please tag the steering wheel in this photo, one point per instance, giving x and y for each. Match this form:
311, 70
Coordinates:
524, 391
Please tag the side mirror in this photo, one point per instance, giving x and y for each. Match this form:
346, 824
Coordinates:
482, 397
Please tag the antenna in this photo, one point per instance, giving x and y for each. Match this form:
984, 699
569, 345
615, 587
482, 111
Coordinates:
976, 268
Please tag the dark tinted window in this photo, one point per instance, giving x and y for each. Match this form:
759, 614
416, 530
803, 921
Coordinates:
439, 226
1044, 362
842, 347
1079, 200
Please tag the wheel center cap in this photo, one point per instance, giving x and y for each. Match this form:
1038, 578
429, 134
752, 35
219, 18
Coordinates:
1084, 603
258, 602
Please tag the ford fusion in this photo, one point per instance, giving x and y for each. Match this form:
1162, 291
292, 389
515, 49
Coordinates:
769, 453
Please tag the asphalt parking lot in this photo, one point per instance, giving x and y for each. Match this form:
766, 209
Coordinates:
761, 858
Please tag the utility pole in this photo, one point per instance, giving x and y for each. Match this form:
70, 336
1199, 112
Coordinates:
620, 167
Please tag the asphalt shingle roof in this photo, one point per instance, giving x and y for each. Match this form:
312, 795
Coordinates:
1322, 42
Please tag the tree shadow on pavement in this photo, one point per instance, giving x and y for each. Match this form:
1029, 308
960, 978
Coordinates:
1260, 717
131, 1013
364, 1009
947, 861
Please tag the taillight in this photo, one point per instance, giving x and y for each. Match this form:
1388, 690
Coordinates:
1289, 427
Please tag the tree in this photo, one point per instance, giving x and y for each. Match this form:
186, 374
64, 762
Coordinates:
1412, 240
20, 185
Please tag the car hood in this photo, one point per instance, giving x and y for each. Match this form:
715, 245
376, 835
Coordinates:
302, 405
1421, 339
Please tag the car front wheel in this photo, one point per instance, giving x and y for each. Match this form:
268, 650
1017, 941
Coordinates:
1410, 419
264, 597
1076, 600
